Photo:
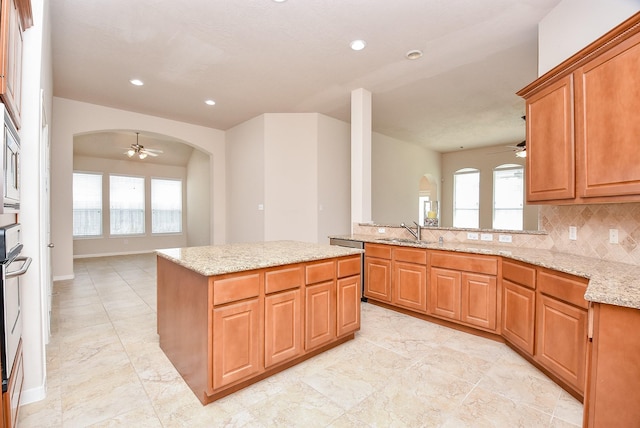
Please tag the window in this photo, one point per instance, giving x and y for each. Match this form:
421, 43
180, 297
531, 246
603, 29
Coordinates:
166, 206
87, 204
126, 205
508, 197
466, 198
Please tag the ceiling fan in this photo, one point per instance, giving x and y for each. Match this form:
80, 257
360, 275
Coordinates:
520, 148
140, 151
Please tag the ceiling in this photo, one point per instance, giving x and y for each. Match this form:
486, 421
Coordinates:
261, 56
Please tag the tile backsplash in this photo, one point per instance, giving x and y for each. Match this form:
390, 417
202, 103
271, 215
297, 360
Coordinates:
592, 223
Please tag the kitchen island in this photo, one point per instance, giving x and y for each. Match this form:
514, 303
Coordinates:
231, 315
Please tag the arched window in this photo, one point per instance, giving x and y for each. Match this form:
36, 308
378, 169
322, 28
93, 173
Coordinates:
508, 197
466, 198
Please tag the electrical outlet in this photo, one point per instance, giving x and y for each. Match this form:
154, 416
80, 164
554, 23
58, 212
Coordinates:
504, 238
472, 236
486, 237
260, 207
573, 233
613, 236
382, 230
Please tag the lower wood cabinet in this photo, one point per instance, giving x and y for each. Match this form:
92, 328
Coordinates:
409, 286
518, 315
378, 279
282, 326
348, 304
561, 326
463, 288
237, 352
320, 325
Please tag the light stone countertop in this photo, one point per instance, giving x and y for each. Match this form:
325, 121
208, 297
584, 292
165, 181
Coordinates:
609, 282
222, 259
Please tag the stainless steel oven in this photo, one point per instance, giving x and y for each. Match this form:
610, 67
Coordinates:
13, 265
10, 161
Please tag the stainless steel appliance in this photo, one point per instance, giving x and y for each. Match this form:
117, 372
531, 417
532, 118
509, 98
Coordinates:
353, 244
13, 265
10, 161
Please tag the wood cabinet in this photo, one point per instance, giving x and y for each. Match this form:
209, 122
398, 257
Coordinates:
225, 332
561, 326
283, 314
11, 59
11, 399
463, 287
614, 368
519, 304
377, 267
409, 281
582, 127
236, 346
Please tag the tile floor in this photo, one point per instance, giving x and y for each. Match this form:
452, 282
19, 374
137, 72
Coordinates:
105, 369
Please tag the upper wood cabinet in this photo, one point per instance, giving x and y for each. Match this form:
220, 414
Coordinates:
582, 129
15, 17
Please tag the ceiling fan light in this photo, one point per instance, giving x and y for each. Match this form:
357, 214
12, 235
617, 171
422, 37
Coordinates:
521, 154
142, 155
131, 152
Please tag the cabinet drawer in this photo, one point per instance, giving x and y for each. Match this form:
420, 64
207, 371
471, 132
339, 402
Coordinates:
567, 288
519, 273
283, 279
411, 255
465, 262
235, 288
318, 272
349, 267
375, 250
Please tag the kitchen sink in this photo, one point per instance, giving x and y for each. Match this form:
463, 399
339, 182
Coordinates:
403, 240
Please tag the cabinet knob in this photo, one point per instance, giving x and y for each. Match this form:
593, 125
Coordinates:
51, 245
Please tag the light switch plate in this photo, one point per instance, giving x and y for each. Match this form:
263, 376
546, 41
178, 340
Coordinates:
504, 238
472, 236
573, 233
382, 230
613, 236
486, 237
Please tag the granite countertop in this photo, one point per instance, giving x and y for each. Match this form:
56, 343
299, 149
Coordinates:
222, 259
609, 282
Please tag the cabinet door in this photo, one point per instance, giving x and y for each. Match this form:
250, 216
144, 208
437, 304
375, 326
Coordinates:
550, 143
409, 288
348, 305
320, 314
282, 326
445, 293
518, 315
377, 279
607, 125
11, 64
562, 339
479, 294
236, 342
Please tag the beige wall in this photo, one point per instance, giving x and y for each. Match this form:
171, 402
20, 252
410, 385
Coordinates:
297, 167
396, 170
72, 118
110, 245
484, 159
198, 226
573, 24
245, 181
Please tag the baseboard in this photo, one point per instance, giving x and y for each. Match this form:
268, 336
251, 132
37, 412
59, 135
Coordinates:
63, 277
34, 394
126, 253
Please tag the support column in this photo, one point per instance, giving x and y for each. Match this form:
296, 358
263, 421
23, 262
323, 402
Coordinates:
360, 156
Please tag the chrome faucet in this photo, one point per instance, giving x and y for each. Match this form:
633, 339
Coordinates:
415, 234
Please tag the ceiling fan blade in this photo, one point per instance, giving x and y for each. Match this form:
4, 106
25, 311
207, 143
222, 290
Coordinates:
147, 152
153, 150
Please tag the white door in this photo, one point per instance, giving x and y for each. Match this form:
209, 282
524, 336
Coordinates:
45, 219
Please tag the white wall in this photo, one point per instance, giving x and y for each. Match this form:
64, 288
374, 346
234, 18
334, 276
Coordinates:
245, 181
573, 24
334, 177
36, 77
198, 226
396, 170
73, 117
291, 170
110, 245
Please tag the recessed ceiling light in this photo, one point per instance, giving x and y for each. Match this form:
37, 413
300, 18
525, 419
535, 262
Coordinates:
358, 45
210, 102
136, 82
414, 54
279, 1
